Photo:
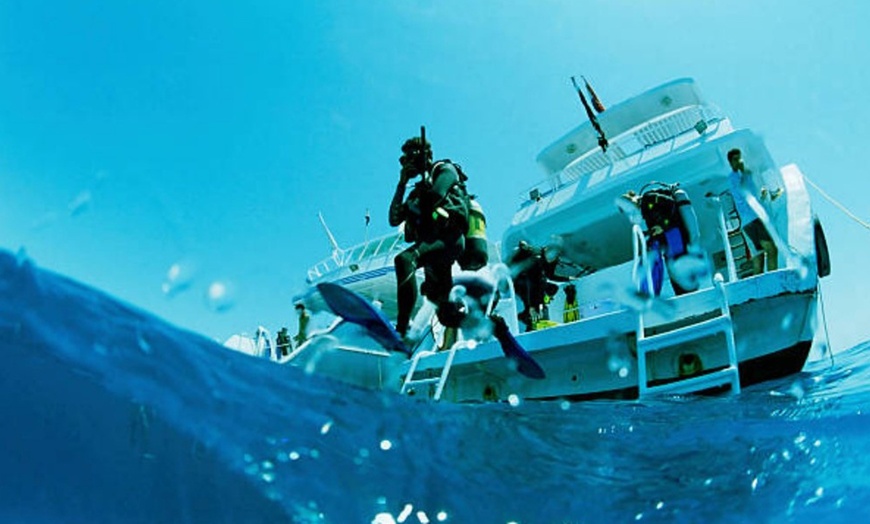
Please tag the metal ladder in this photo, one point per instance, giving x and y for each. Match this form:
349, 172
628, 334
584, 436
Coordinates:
501, 275
441, 379
730, 374
738, 255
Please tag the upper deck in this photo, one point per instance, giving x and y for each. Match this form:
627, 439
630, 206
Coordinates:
668, 134
639, 130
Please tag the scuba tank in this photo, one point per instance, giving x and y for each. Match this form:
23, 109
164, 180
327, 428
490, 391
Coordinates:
476, 253
690, 221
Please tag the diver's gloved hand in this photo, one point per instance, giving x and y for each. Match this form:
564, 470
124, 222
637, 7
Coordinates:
416, 157
407, 173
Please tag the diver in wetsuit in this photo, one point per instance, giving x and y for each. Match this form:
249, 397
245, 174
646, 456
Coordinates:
435, 218
672, 236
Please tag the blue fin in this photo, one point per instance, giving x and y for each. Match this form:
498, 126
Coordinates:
354, 308
526, 365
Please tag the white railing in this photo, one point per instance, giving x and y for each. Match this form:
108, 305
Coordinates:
360, 254
633, 148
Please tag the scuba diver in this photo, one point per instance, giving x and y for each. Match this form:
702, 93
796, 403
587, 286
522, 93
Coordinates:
282, 342
533, 269
435, 217
672, 237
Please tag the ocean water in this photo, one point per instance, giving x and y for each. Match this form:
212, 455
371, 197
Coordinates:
111, 415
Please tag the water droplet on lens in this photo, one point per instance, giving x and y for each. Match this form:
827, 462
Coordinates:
796, 390
142, 343
384, 518
178, 277
220, 296
80, 204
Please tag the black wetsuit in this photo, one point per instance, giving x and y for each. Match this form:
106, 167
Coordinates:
532, 280
438, 241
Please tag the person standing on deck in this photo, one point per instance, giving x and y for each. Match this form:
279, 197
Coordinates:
302, 332
740, 183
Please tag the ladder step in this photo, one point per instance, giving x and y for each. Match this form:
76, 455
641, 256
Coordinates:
727, 375
678, 336
418, 381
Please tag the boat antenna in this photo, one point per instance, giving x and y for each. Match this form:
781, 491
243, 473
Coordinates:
368, 221
335, 246
602, 140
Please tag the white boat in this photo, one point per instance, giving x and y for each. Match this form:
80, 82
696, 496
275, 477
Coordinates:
738, 328
366, 268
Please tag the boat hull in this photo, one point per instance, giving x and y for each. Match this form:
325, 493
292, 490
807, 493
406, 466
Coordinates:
773, 318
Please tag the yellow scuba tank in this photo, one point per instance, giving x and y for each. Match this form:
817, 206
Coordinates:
476, 253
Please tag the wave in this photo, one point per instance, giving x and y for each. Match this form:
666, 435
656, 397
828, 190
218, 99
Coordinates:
115, 415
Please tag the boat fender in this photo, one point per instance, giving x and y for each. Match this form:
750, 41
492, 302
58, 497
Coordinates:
490, 393
823, 257
476, 253
689, 364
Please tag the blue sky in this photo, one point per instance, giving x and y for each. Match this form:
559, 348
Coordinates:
138, 135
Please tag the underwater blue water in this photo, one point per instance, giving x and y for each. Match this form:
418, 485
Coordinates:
112, 415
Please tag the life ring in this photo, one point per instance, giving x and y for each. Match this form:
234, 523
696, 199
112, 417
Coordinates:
823, 257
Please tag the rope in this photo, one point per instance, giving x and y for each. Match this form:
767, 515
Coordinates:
840, 206
825, 323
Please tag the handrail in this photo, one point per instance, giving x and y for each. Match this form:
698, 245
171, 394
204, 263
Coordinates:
640, 259
357, 254
629, 148
729, 256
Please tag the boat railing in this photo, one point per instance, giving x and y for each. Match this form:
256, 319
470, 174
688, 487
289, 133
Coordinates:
358, 256
639, 145
723, 233
641, 269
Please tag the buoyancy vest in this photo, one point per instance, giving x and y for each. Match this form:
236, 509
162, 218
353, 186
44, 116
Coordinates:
476, 253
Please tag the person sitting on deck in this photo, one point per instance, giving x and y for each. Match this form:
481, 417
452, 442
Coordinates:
570, 311
282, 342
